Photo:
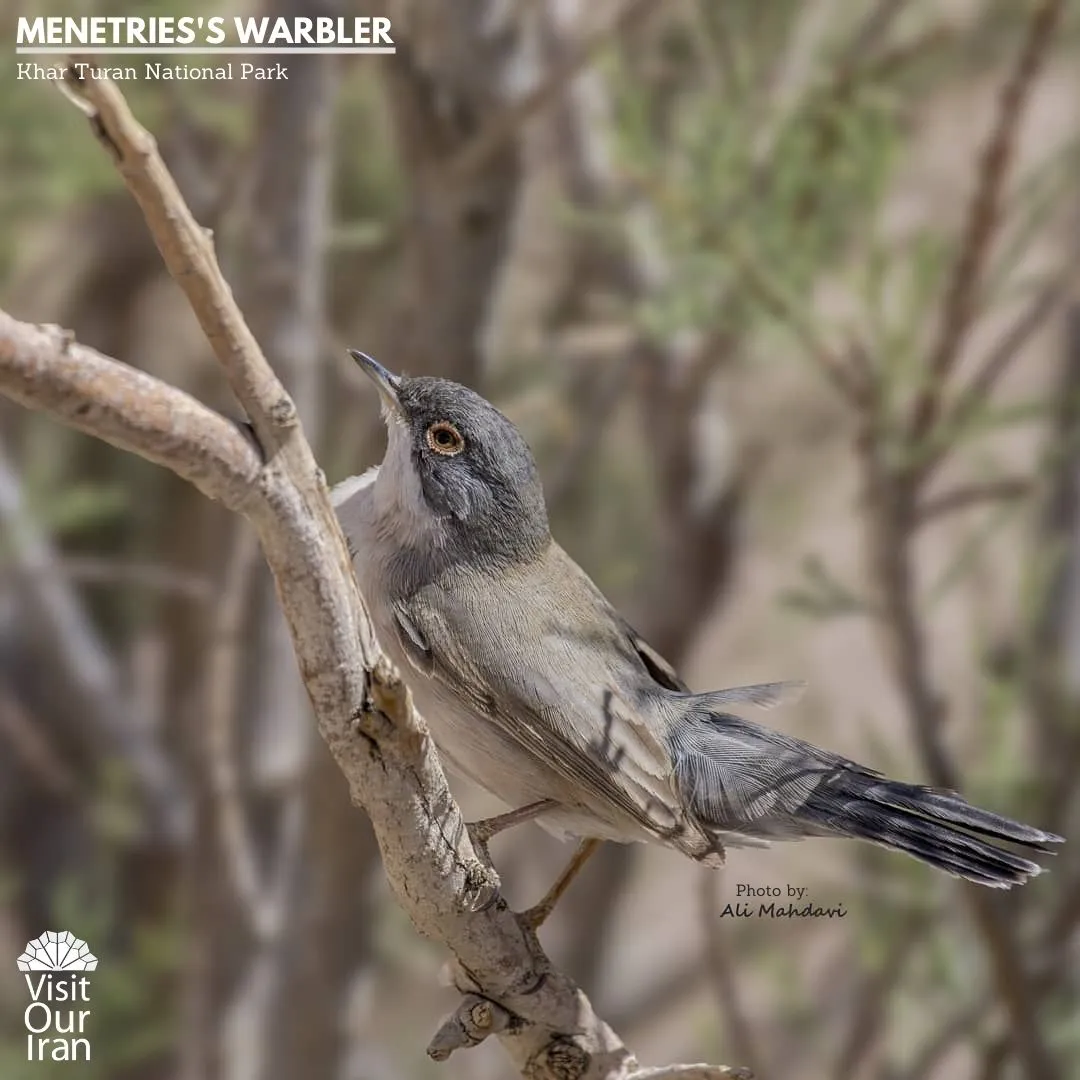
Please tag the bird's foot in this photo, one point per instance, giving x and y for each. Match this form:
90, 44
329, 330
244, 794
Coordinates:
481, 832
537, 915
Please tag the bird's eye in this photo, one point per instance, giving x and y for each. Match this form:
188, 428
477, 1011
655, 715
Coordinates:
445, 439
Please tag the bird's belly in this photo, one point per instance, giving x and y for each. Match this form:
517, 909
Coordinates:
473, 747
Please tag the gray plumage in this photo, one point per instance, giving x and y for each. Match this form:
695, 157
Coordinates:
536, 688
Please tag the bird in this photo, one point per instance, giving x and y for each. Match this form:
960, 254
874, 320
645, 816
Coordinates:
538, 690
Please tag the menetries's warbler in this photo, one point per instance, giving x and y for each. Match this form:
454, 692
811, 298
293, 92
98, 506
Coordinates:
537, 689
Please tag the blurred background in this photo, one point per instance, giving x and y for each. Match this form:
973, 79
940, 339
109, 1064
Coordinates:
785, 297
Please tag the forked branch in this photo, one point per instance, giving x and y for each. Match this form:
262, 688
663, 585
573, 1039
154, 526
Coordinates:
363, 710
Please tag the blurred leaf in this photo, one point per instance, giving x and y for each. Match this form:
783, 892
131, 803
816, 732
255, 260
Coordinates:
822, 596
80, 506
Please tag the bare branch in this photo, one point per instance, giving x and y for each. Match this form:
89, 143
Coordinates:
505, 125
79, 657
222, 684
20, 732
692, 1072
1005, 351
983, 217
1005, 489
364, 711
188, 251
106, 570
42, 367
741, 1035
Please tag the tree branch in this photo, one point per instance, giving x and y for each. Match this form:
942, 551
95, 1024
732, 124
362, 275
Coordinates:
44, 368
983, 217
81, 662
363, 710
222, 692
692, 1072
979, 493
188, 251
890, 501
505, 125
741, 1032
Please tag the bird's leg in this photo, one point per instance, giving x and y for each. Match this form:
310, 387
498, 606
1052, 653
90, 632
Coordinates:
480, 832
538, 913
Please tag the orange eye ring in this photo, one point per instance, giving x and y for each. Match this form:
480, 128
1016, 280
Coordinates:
445, 439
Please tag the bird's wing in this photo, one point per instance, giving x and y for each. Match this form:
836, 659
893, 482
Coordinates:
658, 668
560, 674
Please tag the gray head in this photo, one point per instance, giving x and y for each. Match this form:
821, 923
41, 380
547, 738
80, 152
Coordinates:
457, 474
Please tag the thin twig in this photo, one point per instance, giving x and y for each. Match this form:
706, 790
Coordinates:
29, 745
967, 496
188, 252
106, 570
741, 1036
1005, 351
983, 218
603, 400
222, 686
692, 1072
77, 652
499, 131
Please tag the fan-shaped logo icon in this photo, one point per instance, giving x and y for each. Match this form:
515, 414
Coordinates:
57, 950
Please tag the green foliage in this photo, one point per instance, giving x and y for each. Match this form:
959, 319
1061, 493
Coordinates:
368, 188
786, 192
820, 594
760, 203
45, 158
79, 506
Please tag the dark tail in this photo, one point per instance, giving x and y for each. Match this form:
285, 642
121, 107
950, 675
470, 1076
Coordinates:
738, 778
938, 827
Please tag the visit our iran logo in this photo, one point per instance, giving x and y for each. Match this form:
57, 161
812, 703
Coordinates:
54, 966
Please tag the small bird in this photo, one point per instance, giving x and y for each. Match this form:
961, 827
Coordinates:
538, 690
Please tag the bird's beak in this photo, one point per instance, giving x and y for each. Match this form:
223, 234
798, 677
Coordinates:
387, 383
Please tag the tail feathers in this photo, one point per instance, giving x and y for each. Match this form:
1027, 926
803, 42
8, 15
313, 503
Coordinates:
737, 777
953, 809
937, 827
